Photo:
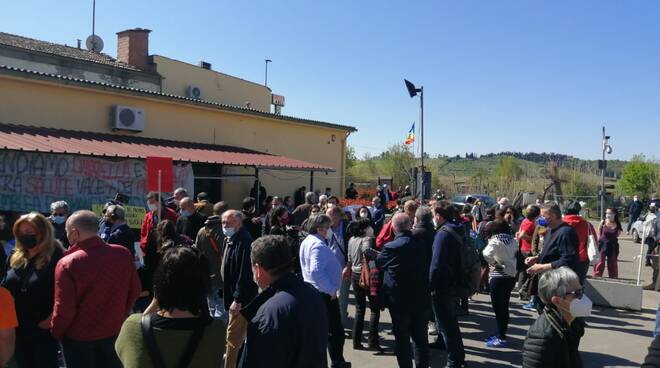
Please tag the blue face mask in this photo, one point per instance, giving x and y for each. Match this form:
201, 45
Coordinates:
185, 213
542, 221
58, 219
228, 231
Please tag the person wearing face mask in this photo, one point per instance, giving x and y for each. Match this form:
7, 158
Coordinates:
362, 212
378, 216
321, 268
635, 209
151, 219
362, 238
31, 281
338, 243
560, 246
287, 325
279, 220
120, 233
238, 286
58, 213
553, 339
608, 246
190, 220
583, 229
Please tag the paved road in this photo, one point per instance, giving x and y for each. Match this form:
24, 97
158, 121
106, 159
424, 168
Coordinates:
614, 338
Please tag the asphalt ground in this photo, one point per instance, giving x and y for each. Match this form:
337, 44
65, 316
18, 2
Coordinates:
613, 338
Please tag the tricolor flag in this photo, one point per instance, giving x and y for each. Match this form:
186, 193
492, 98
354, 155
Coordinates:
410, 138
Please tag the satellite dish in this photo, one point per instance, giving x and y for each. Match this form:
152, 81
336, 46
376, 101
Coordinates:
94, 43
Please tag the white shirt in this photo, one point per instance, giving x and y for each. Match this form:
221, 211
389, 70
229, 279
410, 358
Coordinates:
319, 265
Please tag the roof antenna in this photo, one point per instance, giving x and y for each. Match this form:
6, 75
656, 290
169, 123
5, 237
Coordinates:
94, 42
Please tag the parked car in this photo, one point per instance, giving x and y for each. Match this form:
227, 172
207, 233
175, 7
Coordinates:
469, 199
637, 229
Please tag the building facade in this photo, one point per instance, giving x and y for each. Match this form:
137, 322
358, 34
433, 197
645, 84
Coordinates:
219, 143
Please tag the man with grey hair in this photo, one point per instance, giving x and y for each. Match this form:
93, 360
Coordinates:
554, 338
406, 292
238, 286
96, 286
179, 194
120, 233
321, 268
424, 233
59, 211
301, 213
560, 246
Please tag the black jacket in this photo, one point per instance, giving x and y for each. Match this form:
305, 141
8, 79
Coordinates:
60, 233
287, 326
209, 242
560, 247
405, 282
652, 359
190, 225
544, 346
122, 235
237, 274
425, 234
445, 260
253, 229
635, 209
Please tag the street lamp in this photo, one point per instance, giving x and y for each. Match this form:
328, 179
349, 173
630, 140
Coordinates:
606, 149
412, 91
266, 79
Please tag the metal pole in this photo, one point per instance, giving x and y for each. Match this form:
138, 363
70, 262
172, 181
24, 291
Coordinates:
93, 19
602, 182
266, 77
421, 119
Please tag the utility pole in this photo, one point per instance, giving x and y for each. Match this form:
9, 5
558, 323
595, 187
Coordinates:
603, 166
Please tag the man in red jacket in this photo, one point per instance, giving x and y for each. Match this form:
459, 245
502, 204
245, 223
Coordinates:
96, 286
151, 218
583, 228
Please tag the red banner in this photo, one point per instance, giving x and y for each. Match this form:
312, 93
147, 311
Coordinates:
165, 166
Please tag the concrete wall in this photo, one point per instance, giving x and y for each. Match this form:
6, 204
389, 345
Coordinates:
120, 78
51, 104
215, 86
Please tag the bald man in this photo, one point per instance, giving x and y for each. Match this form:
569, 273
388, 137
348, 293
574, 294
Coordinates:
190, 220
96, 286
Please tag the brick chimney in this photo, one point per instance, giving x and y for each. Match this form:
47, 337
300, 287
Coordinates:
133, 47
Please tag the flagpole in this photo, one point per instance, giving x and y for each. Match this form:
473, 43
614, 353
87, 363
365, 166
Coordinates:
421, 108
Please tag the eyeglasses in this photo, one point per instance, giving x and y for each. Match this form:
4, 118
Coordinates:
578, 293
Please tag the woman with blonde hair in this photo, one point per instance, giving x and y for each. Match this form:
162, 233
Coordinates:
31, 281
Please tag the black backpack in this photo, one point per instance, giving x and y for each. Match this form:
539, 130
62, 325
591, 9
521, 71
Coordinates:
469, 273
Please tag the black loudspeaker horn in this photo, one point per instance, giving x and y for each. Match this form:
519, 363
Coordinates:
412, 91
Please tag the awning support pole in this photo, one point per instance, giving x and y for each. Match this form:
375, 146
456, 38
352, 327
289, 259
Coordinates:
256, 175
311, 181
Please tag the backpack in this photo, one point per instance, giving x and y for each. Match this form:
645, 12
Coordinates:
469, 274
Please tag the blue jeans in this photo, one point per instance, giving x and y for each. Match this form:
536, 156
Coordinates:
656, 332
445, 309
343, 302
216, 305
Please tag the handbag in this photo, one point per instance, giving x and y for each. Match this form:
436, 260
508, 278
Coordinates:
592, 247
365, 275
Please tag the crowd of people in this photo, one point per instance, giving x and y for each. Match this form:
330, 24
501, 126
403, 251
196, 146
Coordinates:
268, 284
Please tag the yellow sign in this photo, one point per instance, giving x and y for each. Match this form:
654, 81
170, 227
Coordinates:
134, 214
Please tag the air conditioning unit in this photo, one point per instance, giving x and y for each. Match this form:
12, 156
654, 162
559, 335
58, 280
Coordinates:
127, 118
194, 92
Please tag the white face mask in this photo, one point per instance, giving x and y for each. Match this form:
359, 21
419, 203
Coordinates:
152, 206
610, 216
328, 235
581, 307
364, 215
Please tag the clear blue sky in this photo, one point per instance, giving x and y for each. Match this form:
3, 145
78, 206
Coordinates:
498, 75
